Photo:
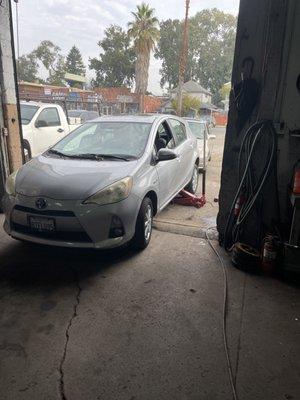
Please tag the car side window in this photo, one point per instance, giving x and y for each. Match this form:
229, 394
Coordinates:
49, 117
178, 130
164, 137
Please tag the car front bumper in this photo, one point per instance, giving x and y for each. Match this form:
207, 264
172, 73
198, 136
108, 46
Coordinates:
76, 224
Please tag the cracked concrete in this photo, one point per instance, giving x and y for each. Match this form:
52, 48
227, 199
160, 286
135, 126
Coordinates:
74, 315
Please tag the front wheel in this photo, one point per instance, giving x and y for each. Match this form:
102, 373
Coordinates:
193, 183
143, 227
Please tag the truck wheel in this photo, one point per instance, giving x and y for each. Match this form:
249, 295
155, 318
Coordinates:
193, 183
27, 151
143, 227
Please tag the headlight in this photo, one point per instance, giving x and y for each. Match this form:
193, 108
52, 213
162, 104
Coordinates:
10, 184
111, 194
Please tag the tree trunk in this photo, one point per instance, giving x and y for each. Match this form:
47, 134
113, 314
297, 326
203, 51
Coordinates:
141, 76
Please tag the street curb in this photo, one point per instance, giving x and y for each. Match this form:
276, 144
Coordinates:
184, 229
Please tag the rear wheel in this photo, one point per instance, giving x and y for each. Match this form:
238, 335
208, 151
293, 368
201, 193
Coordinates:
143, 227
193, 184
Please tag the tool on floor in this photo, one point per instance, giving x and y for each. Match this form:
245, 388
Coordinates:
188, 199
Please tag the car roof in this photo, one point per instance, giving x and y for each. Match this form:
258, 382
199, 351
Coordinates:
143, 118
31, 103
199, 121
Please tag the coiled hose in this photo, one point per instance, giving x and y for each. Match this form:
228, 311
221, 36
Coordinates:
251, 186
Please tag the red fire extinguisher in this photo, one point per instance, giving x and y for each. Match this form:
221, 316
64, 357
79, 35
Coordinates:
296, 185
269, 255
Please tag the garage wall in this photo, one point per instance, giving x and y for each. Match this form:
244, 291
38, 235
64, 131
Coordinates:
269, 32
8, 90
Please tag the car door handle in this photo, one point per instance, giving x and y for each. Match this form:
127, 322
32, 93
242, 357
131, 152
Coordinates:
60, 130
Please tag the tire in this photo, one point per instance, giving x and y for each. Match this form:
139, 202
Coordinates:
192, 186
143, 226
27, 151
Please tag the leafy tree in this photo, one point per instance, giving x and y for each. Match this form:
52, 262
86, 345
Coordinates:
144, 30
210, 53
74, 64
168, 50
225, 90
188, 103
49, 54
27, 68
212, 40
115, 66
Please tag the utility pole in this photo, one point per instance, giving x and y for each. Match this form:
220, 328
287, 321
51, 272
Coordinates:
183, 57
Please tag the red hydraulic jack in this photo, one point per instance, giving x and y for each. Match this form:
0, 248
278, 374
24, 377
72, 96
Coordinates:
186, 198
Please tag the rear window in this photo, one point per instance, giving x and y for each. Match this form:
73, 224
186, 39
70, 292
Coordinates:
197, 129
27, 113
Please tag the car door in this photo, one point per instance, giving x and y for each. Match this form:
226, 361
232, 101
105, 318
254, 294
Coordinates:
185, 151
210, 142
47, 129
166, 170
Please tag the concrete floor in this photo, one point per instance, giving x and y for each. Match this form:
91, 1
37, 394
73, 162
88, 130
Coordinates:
119, 325
88, 325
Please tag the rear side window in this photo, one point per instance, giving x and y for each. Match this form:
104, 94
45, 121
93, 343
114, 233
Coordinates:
178, 130
49, 116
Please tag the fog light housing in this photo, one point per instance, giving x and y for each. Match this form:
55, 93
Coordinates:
116, 228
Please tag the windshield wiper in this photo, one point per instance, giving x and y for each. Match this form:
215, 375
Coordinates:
57, 153
89, 156
117, 157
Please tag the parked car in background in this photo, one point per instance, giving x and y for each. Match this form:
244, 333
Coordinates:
84, 115
101, 185
209, 119
200, 130
43, 124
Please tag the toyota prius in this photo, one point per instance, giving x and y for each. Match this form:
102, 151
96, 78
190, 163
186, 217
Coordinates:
101, 185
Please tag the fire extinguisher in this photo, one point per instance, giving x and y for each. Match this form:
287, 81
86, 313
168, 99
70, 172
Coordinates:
296, 185
239, 204
269, 254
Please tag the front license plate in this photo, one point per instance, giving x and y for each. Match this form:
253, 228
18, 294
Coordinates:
42, 224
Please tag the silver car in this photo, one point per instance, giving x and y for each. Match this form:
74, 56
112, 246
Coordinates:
200, 130
101, 185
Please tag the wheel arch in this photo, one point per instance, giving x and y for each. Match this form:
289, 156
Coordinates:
153, 197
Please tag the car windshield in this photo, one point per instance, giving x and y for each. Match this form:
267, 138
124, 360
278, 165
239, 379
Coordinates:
27, 113
197, 129
115, 139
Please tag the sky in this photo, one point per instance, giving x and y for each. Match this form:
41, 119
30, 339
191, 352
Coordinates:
69, 22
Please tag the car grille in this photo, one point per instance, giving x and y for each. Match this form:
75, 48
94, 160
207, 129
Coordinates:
68, 236
53, 213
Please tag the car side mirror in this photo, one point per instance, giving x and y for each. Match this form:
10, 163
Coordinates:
40, 123
165, 155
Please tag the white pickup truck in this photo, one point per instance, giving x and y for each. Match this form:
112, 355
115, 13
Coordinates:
43, 124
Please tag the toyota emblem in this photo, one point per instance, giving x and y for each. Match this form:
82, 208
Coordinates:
41, 203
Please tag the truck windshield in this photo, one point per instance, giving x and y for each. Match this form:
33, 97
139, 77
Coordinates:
197, 129
27, 113
118, 138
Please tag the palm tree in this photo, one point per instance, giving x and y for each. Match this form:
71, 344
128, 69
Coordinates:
144, 30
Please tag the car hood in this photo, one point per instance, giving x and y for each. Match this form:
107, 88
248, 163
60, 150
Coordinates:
69, 179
